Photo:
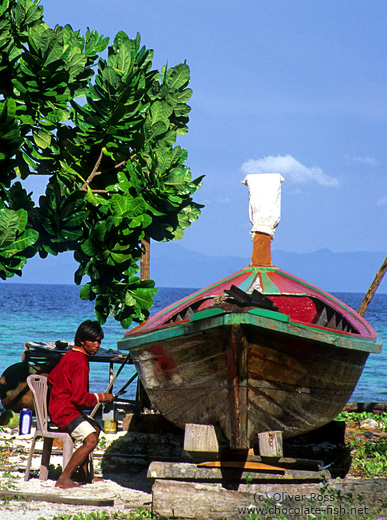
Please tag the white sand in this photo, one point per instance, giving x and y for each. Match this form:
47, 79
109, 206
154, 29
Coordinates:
125, 499
121, 460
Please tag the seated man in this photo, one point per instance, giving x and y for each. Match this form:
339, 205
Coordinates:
70, 395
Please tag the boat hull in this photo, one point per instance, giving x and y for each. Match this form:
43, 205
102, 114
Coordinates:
257, 351
248, 373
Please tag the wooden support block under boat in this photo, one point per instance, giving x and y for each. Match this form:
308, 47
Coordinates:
201, 438
239, 472
270, 444
245, 465
148, 423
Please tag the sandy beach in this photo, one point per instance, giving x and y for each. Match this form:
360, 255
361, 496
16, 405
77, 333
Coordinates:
121, 459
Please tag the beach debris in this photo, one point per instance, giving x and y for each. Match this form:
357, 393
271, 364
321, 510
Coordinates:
371, 424
10, 419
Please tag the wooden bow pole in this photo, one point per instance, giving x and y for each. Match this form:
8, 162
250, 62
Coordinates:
372, 289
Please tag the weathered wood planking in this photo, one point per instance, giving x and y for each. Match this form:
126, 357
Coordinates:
212, 359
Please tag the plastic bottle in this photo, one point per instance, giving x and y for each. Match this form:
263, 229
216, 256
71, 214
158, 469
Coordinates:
109, 418
25, 422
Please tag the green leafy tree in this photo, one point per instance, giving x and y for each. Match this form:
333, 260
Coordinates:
104, 130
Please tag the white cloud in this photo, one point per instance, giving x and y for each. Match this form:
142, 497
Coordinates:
382, 201
290, 168
369, 161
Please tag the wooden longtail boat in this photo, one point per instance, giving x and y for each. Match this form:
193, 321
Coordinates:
257, 351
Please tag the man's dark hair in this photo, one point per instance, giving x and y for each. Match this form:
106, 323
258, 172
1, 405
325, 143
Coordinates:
88, 331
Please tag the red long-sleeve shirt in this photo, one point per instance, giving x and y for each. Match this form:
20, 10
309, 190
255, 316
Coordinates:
70, 384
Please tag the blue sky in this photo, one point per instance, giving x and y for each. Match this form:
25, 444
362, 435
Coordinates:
288, 86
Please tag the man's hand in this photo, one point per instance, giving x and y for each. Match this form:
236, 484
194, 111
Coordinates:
108, 398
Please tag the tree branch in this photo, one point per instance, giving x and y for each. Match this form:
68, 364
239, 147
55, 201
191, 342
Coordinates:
94, 172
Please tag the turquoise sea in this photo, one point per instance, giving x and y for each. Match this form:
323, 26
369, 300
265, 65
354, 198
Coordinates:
47, 313
33, 312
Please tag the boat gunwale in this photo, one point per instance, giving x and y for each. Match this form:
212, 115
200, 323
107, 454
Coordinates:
153, 323
322, 335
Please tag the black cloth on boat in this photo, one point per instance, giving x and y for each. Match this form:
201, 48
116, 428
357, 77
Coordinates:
255, 298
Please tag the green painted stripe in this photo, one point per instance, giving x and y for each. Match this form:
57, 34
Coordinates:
249, 280
273, 315
206, 313
267, 285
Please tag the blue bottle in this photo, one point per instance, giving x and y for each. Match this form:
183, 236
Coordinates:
25, 422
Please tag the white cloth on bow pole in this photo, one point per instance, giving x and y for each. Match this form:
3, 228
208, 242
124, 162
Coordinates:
264, 201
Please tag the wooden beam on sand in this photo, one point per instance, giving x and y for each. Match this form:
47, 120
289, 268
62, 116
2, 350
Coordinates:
57, 499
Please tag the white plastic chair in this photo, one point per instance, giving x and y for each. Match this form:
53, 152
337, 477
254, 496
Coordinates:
38, 386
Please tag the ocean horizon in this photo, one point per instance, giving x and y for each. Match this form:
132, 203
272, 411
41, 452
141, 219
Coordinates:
48, 312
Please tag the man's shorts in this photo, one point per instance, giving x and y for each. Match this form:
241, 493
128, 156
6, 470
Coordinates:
80, 428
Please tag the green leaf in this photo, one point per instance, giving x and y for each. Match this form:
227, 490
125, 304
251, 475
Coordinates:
94, 199
42, 138
95, 43
77, 63
178, 77
54, 48
33, 14
124, 60
156, 130
126, 322
71, 235
120, 204
143, 297
143, 221
7, 110
184, 95
9, 225
27, 239
85, 293
23, 219
120, 258
29, 161
90, 248
110, 76
129, 299
4, 6
138, 206
127, 205
157, 113
120, 40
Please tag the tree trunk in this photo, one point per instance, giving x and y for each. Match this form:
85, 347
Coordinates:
145, 259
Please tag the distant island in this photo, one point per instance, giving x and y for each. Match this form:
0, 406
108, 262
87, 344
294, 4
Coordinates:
172, 265
333, 272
